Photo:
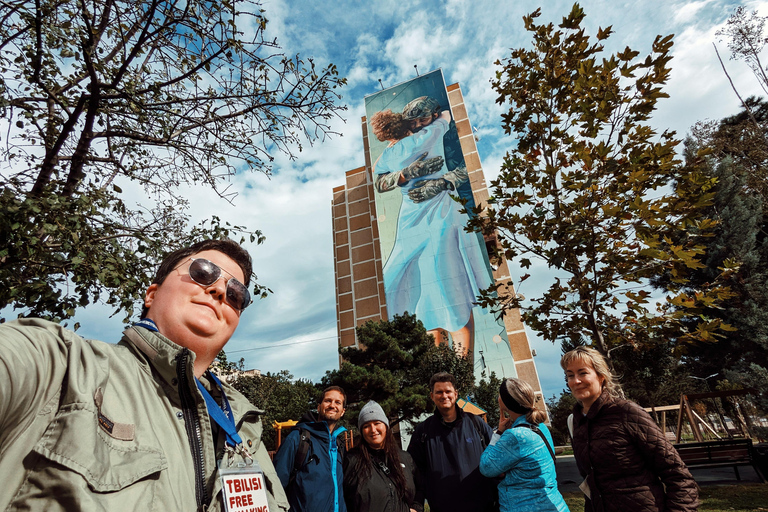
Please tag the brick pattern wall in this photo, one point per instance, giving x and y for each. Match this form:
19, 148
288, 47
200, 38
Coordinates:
359, 278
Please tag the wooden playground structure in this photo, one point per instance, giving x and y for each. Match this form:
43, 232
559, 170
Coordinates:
732, 449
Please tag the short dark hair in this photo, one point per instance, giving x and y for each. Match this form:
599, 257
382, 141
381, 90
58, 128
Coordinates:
225, 246
441, 377
335, 388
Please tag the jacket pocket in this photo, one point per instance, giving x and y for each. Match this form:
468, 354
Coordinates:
76, 462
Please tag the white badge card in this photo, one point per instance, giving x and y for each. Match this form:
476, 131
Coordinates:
244, 489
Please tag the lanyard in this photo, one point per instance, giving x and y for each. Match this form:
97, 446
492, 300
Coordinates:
221, 415
147, 324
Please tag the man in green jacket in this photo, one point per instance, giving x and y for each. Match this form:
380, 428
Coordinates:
141, 425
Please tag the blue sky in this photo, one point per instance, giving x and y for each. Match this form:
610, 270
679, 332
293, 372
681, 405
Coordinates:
295, 328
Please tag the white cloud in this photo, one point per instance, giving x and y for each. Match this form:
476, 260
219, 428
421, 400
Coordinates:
294, 328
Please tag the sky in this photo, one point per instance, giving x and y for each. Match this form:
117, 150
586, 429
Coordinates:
294, 328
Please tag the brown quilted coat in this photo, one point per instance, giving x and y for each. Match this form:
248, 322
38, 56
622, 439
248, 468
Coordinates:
628, 462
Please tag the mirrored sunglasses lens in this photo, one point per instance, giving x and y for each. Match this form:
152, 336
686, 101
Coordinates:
204, 272
238, 295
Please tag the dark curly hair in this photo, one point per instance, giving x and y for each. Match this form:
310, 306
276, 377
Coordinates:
388, 125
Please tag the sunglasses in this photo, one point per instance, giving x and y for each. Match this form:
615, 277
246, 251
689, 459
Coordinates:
205, 273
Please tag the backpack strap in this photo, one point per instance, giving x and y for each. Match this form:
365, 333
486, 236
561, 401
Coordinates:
541, 435
475, 422
300, 460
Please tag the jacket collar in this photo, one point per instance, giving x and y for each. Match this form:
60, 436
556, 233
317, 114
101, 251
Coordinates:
160, 352
594, 409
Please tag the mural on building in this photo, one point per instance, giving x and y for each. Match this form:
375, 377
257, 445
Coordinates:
432, 266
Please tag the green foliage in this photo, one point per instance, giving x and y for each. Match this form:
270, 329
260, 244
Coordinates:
732, 151
96, 97
745, 32
223, 366
485, 394
559, 410
596, 193
60, 253
394, 368
280, 397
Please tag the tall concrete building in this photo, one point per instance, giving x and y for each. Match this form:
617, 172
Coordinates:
375, 260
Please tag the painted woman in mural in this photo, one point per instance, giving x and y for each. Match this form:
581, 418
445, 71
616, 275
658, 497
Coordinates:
435, 269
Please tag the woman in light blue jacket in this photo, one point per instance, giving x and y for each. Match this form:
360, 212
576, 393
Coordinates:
522, 451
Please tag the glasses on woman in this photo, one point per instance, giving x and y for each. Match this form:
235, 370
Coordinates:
205, 273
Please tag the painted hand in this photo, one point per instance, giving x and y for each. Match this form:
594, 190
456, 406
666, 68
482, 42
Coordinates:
427, 189
422, 167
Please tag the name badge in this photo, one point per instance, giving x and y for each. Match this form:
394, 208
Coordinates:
244, 488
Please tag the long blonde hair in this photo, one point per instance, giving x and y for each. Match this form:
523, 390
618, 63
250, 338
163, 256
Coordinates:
522, 393
598, 363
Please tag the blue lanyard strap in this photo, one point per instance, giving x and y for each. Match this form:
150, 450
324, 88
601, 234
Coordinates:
222, 415
147, 324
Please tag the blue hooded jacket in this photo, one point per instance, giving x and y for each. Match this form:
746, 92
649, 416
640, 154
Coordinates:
318, 483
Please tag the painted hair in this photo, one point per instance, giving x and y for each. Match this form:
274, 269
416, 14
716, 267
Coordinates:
388, 125
598, 363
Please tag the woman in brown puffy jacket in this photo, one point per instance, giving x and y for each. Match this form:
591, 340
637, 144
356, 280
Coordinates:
626, 461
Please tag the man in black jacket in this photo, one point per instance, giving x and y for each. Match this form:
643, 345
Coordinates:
446, 448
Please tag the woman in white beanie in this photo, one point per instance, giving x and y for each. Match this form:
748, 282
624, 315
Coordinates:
378, 476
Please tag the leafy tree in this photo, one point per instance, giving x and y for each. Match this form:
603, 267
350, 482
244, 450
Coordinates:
485, 394
729, 151
223, 366
596, 193
150, 96
745, 32
740, 138
559, 410
394, 367
280, 397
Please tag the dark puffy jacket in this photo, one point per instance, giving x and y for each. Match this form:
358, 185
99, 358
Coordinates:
318, 483
378, 493
628, 461
448, 458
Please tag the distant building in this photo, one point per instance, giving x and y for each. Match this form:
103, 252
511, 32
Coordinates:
237, 374
379, 254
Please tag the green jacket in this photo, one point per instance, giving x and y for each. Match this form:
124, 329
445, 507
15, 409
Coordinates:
87, 425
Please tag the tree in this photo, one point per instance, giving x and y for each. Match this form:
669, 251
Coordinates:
745, 32
99, 96
730, 152
594, 192
485, 394
280, 397
394, 367
559, 410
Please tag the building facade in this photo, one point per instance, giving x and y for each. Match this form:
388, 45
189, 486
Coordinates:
376, 261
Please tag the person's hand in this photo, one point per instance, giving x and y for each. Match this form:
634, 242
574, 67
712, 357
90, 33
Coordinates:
504, 423
422, 167
427, 189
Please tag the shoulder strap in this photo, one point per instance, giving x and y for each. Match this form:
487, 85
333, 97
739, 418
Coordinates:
301, 454
537, 430
475, 419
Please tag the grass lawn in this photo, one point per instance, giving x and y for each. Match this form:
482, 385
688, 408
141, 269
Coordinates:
716, 498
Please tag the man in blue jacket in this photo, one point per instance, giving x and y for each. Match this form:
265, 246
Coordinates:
309, 461
446, 449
